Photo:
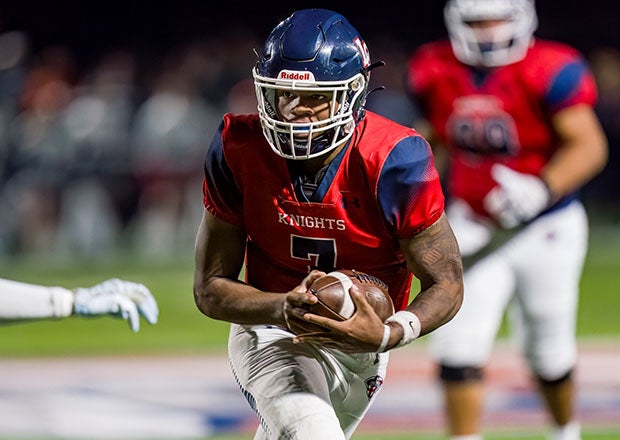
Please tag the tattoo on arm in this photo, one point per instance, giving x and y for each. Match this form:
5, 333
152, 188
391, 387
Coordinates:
435, 259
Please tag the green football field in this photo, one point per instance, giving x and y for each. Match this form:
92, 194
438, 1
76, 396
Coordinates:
183, 330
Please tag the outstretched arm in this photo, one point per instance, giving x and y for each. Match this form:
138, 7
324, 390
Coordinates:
122, 299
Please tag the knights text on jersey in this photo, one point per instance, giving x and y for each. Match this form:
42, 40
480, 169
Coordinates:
500, 114
383, 187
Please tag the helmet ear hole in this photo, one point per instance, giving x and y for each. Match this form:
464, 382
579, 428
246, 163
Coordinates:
329, 56
358, 84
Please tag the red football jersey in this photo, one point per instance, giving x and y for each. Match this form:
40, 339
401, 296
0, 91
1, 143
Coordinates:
383, 186
496, 115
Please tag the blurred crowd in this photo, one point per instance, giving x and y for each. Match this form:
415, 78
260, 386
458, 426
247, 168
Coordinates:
105, 157
108, 156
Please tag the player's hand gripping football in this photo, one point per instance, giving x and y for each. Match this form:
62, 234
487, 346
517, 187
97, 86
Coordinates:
296, 306
122, 299
362, 333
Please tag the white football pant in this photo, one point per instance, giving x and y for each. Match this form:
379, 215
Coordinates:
537, 271
302, 391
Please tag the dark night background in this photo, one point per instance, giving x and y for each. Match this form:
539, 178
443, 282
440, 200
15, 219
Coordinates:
90, 27
127, 95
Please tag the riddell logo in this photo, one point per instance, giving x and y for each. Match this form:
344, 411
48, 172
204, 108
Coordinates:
296, 75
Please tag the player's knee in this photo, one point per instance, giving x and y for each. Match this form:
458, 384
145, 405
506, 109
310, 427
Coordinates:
460, 374
551, 363
315, 425
557, 380
304, 416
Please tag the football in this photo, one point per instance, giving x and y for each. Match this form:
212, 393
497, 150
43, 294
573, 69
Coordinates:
335, 302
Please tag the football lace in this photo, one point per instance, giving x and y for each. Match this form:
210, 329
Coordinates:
366, 278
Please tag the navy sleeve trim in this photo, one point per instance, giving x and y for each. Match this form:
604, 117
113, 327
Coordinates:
565, 83
218, 175
404, 172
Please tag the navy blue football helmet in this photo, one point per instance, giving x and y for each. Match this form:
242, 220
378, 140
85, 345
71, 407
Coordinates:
313, 50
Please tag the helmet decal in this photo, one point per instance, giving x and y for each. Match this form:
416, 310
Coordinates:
294, 75
363, 51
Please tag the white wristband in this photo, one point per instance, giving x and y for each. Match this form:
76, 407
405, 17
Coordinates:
61, 300
386, 337
410, 324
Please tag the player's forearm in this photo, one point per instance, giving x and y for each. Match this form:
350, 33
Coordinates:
434, 257
431, 308
233, 301
572, 167
219, 255
582, 154
29, 301
437, 305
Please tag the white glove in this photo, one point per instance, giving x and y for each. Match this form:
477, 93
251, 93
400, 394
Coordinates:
517, 199
122, 299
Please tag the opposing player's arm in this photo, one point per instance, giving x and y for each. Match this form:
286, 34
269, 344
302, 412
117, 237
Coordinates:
219, 256
20, 301
583, 150
433, 256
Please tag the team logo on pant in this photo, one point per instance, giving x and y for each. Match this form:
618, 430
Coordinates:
373, 384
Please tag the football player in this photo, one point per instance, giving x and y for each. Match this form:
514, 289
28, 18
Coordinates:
312, 183
516, 115
127, 300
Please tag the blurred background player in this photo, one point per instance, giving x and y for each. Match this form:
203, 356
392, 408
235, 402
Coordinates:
313, 181
122, 299
516, 115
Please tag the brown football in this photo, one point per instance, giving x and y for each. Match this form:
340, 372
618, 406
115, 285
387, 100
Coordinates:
335, 302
